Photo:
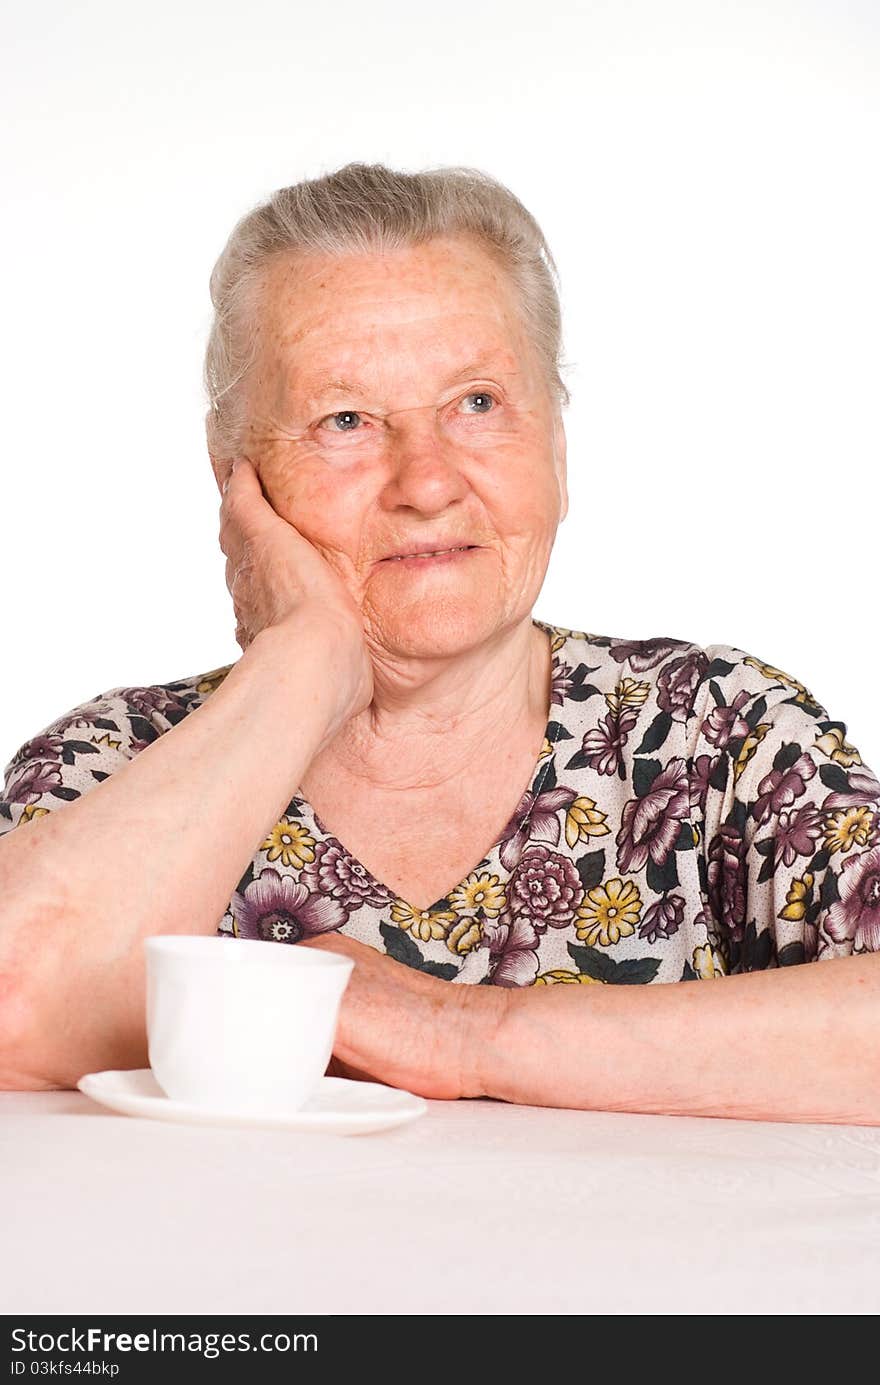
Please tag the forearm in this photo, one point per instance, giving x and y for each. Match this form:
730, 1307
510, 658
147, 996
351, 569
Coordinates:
157, 848
797, 1043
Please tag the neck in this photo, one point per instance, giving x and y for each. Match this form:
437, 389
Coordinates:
430, 720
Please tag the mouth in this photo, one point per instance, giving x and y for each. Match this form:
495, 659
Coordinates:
429, 553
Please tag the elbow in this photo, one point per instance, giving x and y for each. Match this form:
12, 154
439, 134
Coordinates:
21, 1068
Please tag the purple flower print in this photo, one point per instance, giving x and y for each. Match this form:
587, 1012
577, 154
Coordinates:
603, 745
535, 818
149, 700
701, 772
663, 918
796, 834
780, 788
650, 825
277, 908
725, 722
705, 919
727, 879
83, 716
545, 888
31, 779
864, 788
561, 684
856, 915
40, 748
336, 873
642, 654
677, 684
512, 943
137, 745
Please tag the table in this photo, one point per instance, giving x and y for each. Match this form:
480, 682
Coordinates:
478, 1207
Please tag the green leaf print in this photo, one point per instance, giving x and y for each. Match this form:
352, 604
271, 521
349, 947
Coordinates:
592, 962
757, 949
634, 971
662, 878
786, 756
644, 774
591, 869
445, 970
656, 733
792, 955
718, 668
833, 778
755, 712
400, 946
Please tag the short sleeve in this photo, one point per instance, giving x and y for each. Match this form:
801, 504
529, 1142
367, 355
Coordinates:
789, 819
79, 750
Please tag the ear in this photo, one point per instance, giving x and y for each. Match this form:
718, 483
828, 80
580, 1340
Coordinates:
560, 451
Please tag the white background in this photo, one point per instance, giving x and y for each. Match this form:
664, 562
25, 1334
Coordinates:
706, 175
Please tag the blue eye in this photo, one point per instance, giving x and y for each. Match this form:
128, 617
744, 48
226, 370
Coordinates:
344, 413
485, 396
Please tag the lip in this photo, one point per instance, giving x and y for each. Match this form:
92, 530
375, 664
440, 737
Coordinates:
449, 549
438, 558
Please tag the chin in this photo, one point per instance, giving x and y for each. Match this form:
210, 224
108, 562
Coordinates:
438, 627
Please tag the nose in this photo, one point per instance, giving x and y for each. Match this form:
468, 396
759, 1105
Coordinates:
424, 471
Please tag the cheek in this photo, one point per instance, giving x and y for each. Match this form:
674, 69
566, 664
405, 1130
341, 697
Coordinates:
325, 512
525, 500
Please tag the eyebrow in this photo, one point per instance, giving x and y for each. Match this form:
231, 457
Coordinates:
319, 388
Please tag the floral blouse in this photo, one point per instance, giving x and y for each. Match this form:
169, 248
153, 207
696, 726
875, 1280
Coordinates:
693, 813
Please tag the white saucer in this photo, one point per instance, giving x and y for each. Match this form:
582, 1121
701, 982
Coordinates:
338, 1107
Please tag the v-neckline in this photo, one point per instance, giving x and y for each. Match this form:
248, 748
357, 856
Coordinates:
491, 858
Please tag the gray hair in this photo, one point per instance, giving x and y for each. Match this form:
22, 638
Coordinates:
362, 208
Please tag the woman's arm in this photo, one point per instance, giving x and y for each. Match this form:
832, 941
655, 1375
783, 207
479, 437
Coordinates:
797, 1043
157, 848
160, 845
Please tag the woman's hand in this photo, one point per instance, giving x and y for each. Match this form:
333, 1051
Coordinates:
273, 572
408, 1029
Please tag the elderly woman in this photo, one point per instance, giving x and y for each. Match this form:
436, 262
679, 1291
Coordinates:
404, 766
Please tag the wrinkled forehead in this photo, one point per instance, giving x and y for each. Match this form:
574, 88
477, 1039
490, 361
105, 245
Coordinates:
412, 320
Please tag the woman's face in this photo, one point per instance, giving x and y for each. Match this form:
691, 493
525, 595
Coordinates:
395, 407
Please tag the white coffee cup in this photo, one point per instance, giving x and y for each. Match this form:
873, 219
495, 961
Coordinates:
235, 1024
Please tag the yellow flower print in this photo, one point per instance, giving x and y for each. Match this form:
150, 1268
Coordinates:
847, 827
210, 682
708, 962
584, 820
609, 912
546, 749
749, 746
479, 891
569, 978
798, 899
105, 740
837, 748
425, 926
804, 694
31, 811
560, 635
290, 843
628, 693
465, 936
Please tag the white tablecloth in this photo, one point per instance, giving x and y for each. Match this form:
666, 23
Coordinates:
478, 1207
